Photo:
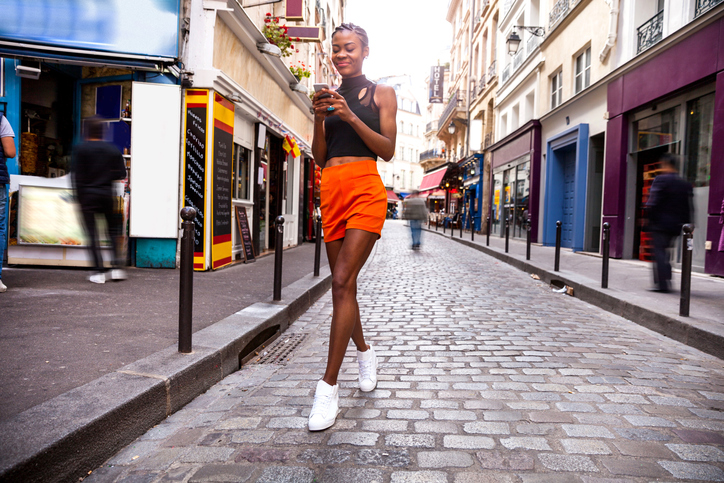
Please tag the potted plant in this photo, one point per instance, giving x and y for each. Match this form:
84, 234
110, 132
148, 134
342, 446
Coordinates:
300, 70
277, 34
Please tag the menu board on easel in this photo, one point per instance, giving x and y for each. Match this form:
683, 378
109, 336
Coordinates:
242, 224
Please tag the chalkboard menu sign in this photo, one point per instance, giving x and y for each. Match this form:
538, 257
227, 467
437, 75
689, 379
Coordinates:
195, 168
242, 224
221, 200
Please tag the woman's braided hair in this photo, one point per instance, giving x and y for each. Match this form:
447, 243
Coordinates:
361, 33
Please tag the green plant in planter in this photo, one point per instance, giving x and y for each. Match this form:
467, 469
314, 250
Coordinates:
277, 35
300, 70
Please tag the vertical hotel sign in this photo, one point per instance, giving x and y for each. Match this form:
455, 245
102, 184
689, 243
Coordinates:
437, 77
197, 104
223, 144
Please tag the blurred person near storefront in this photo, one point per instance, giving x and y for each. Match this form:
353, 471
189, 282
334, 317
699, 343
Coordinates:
415, 211
7, 150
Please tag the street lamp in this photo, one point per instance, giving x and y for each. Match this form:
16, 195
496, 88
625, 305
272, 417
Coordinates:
513, 41
451, 128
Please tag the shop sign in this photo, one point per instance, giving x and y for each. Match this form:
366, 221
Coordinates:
197, 103
437, 78
223, 143
139, 27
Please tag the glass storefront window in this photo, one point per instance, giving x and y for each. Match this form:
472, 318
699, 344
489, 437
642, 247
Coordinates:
497, 203
657, 130
522, 190
699, 130
240, 173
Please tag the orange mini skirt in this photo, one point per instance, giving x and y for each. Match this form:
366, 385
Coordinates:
352, 196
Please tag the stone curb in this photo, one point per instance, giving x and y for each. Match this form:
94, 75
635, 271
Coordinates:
675, 328
74, 433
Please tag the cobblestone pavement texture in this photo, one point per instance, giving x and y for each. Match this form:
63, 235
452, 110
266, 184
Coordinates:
485, 375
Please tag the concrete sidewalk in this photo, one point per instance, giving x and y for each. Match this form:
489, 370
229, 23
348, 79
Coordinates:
628, 292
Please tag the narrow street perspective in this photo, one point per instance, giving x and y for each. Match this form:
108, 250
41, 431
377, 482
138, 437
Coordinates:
485, 375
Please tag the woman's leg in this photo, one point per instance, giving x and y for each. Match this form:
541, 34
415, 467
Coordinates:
346, 258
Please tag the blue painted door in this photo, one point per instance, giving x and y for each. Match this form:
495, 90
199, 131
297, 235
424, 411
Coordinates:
569, 183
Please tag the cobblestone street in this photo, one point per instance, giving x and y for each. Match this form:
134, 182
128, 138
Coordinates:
485, 375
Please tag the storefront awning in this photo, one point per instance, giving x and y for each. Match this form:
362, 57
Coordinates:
392, 197
434, 194
432, 180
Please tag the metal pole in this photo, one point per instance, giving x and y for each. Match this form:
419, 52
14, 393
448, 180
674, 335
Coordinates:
461, 226
686, 251
437, 220
317, 244
527, 239
472, 228
186, 281
443, 225
279, 225
487, 236
558, 246
507, 232
605, 249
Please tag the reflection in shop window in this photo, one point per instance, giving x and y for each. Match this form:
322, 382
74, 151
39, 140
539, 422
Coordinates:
699, 130
657, 130
240, 173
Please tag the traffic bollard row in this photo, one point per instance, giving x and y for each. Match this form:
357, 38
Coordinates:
605, 249
557, 263
687, 248
186, 280
279, 225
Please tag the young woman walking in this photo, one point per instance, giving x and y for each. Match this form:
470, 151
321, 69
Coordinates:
352, 127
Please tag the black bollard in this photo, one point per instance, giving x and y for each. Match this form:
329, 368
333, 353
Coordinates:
436, 222
443, 225
279, 225
186, 281
472, 229
557, 264
686, 251
507, 232
487, 236
527, 239
317, 244
605, 250
461, 226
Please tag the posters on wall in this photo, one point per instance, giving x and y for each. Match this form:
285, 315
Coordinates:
223, 144
197, 103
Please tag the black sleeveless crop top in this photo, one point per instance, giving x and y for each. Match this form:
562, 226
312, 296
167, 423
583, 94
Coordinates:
341, 138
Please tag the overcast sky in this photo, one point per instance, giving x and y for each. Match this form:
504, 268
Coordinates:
406, 37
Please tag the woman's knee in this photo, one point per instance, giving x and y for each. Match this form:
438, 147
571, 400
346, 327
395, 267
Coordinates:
343, 284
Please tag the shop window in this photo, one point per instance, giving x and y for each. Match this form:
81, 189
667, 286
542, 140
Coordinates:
657, 130
583, 70
240, 172
556, 89
699, 130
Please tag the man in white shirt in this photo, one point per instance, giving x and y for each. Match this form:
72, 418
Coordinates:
7, 150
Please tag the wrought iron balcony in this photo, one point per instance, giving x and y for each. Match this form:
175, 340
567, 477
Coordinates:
532, 43
651, 32
456, 100
431, 154
481, 84
491, 71
506, 74
518, 58
560, 9
703, 6
430, 126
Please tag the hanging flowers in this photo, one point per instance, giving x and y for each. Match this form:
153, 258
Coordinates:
277, 35
300, 70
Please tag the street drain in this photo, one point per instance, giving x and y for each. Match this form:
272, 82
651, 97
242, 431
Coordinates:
280, 351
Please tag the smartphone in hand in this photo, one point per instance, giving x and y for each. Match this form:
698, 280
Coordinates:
319, 87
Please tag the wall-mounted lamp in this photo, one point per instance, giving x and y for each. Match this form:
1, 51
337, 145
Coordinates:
269, 49
301, 88
235, 97
513, 41
27, 72
451, 128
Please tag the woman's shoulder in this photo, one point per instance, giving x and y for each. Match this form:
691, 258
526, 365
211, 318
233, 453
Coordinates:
385, 94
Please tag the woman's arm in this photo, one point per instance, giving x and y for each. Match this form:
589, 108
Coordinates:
383, 144
319, 142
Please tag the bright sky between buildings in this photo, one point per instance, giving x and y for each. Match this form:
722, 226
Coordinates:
406, 37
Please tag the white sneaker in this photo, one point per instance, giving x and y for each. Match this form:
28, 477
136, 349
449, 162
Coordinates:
118, 274
325, 408
367, 361
3, 288
98, 278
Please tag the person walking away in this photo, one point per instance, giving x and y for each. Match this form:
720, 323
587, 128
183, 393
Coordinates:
7, 150
669, 208
416, 213
352, 127
95, 165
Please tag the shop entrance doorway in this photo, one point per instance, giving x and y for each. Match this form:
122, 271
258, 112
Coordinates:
647, 167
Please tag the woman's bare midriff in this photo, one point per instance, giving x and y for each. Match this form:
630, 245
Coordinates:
345, 159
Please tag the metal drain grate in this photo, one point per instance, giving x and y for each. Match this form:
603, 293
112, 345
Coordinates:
280, 351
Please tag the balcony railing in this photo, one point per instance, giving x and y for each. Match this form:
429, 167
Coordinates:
456, 100
430, 154
651, 32
532, 43
518, 58
506, 74
430, 126
560, 9
703, 6
491, 72
481, 84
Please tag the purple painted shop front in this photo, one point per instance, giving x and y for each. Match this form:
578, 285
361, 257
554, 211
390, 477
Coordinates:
525, 140
663, 76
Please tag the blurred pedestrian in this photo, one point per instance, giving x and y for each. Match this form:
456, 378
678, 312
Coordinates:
352, 127
669, 208
95, 165
7, 150
416, 212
